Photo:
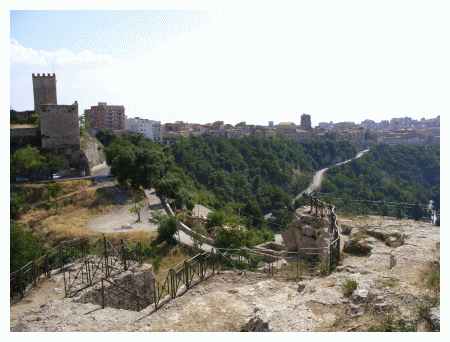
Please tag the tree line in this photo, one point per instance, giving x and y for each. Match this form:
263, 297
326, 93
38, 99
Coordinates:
388, 173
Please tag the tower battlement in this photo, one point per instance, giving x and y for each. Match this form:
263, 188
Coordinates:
48, 75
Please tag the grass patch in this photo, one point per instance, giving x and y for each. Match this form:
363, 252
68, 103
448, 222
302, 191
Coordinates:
390, 324
432, 278
349, 286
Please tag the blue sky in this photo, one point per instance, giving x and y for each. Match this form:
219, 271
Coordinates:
117, 33
337, 62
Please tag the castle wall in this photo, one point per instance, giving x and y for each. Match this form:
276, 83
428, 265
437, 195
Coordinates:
60, 126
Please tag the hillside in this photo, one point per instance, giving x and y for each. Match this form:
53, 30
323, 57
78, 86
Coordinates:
257, 175
398, 173
390, 295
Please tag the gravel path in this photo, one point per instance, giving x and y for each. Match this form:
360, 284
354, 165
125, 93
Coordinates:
122, 220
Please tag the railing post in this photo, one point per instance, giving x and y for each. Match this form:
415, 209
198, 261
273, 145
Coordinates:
155, 295
105, 252
186, 274
123, 253
47, 266
61, 257
173, 290
103, 295
329, 258
20, 283
140, 253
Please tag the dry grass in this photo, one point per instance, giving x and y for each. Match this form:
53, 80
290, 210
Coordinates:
133, 236
174, 256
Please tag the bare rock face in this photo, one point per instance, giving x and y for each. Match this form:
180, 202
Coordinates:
256, 324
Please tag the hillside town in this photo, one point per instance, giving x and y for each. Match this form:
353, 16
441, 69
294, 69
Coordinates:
56, 127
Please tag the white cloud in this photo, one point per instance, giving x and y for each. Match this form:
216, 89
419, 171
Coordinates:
335, 63
61, 57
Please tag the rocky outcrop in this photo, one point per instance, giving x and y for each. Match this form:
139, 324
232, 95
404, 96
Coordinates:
387, 296
307, 231
392, 238
435, 318
92, 149
359, 247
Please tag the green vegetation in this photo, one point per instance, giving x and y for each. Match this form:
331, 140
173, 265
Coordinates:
139, 163
167, 229
349, 286
31, 163
390, 323
398, 173
243, 179
255, 176
24, 246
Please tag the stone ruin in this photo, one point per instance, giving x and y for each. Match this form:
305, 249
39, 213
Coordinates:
129, 290
308, 232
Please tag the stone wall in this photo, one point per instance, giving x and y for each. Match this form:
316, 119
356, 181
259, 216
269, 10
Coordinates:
59, 126
23, 135
138, 282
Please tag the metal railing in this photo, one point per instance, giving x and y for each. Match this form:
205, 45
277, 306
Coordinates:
95, 260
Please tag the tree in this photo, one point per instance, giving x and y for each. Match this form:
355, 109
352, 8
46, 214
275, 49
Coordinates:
27, 161
215, 219
197, 237
17, 204
231, 237
167, 229
136, 209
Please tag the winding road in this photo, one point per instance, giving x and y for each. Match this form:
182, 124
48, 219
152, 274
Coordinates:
318, 176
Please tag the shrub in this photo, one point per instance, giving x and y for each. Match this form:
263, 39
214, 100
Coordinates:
349, 286
433, 278
24, 246
231, 238
166, 230
216, 219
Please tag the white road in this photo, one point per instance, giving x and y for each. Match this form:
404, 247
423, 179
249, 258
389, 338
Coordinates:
318, 176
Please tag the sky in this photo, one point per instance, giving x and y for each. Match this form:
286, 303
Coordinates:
339, 62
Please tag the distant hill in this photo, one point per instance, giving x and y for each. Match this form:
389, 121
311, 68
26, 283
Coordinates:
396, 173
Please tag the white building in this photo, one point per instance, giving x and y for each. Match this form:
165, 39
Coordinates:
148, 128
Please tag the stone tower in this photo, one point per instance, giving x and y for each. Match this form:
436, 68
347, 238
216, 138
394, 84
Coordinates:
305, 122
44, 90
